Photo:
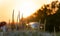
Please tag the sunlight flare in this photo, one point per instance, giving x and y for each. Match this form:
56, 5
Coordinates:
27, 7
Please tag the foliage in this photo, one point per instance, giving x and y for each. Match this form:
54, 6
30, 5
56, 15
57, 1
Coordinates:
2, 23
50, 12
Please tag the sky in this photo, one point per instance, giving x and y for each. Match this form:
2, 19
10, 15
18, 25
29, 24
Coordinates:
27, 7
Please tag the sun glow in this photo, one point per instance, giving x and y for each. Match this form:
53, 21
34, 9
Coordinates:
1, 1
28, 7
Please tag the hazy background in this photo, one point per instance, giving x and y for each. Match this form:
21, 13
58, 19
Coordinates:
28, 7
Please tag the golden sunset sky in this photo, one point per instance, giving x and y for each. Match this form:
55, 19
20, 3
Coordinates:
27, 7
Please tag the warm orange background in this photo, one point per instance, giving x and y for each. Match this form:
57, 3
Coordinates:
26, 6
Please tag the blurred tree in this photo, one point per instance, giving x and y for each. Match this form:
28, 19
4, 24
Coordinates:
53, 19
2, 23
50, 12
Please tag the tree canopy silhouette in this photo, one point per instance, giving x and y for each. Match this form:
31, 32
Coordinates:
50, 12
2, 24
